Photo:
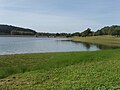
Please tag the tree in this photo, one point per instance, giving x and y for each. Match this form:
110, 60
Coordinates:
87, 32
99, 32
76, 34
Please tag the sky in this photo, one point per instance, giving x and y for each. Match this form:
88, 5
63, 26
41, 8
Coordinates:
60, 15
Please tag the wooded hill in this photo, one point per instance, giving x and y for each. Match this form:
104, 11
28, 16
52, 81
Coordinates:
12, 30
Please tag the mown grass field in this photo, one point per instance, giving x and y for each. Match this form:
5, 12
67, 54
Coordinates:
94, 70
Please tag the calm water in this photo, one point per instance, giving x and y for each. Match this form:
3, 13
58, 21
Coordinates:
17, 45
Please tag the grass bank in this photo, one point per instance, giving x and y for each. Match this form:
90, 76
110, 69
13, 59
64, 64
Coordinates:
103, 40
96, 70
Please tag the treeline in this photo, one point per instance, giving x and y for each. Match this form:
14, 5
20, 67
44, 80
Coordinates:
42, 34
112, 30
12, 30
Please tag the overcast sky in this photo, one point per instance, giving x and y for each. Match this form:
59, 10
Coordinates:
60, 15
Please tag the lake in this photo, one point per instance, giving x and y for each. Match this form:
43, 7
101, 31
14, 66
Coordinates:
19, 45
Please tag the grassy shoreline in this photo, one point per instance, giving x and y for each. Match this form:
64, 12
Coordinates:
91, 70
103, 40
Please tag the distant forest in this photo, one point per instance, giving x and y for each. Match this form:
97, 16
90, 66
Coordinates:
13, 30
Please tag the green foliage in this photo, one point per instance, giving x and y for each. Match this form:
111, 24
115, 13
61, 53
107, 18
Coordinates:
97, 33
113, 30
76, 34
87, 32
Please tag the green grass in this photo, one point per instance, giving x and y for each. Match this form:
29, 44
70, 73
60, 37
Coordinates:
96, 70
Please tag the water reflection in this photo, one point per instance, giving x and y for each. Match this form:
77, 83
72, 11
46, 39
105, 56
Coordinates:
106, 47
89, 45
